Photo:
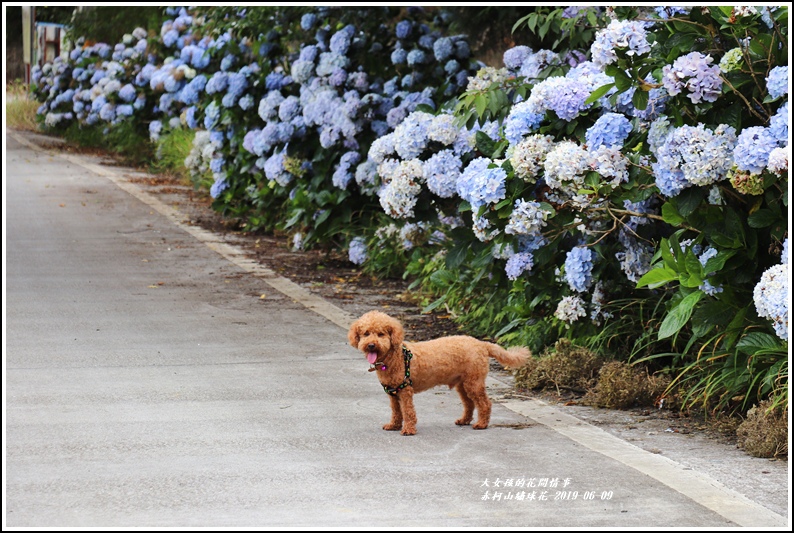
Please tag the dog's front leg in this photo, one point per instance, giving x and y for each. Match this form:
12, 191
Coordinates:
396, 422
406, 399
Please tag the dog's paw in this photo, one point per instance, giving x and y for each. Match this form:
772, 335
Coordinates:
407, 431
393, 427
479, 425
462, 422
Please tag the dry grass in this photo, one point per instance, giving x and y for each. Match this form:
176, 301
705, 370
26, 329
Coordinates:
621, 386
565, 367
764, 433
20, 108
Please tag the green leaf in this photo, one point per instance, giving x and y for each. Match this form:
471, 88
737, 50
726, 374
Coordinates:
456, 255
762, 218
480, 104
718, 261
755, 341
640, 99
679, 315
657, 277
689, 200
485, 144
598, 93
670, 214
434, 304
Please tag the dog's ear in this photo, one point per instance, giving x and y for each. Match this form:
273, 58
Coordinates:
396, 333
353, 335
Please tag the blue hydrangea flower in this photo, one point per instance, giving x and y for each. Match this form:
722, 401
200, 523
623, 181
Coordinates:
399, 56
443, 48
565, 96
309, 53
274, 169
410, 137
357, 251
217, 83
778, 125
403, 29
522, 119
480, 185
302, 71
527, 218
211, 115
441, 172
753, 148
343, 174
579, 268
610, 130
308, 21
535, 62
219, 186
340, 41
694, 155
518, 264
246, 102
127, 93
415, 57
190, 117
170, 38
155, 127
124, 110
777, 82
635, 260
514, 57
228, 62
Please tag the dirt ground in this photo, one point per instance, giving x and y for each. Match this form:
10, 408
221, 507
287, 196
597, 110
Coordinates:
690, 441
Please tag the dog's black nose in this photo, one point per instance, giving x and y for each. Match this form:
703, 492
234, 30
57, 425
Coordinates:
371, 347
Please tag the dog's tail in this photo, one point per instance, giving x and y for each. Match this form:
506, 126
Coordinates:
514, 357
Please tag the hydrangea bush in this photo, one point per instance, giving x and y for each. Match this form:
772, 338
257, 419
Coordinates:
625, 186
642, 181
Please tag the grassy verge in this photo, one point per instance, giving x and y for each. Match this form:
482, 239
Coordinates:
20, 107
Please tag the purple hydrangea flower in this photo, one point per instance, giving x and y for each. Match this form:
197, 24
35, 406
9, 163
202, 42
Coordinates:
695, 74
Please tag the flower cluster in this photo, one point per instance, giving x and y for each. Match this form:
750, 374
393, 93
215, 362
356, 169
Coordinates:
695, 74
481, 184
772, 295
692, 155
627, 36
579, 268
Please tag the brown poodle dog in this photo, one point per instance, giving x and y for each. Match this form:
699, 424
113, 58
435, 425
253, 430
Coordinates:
407, 368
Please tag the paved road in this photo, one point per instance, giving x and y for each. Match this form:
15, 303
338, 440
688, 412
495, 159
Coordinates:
150, 381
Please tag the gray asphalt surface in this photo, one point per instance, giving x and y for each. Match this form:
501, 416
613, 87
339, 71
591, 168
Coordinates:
150, 381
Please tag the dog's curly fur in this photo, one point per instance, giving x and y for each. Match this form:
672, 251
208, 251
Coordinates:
458, 361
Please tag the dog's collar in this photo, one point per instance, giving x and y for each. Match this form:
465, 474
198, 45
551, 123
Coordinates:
407, 355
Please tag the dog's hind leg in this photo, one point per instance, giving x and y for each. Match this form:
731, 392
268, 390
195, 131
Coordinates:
396, 422
476, 391
468, 406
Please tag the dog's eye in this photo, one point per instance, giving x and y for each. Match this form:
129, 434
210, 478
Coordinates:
366, 333
381, 334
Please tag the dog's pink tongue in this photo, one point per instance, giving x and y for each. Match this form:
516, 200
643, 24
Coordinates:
372, 357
